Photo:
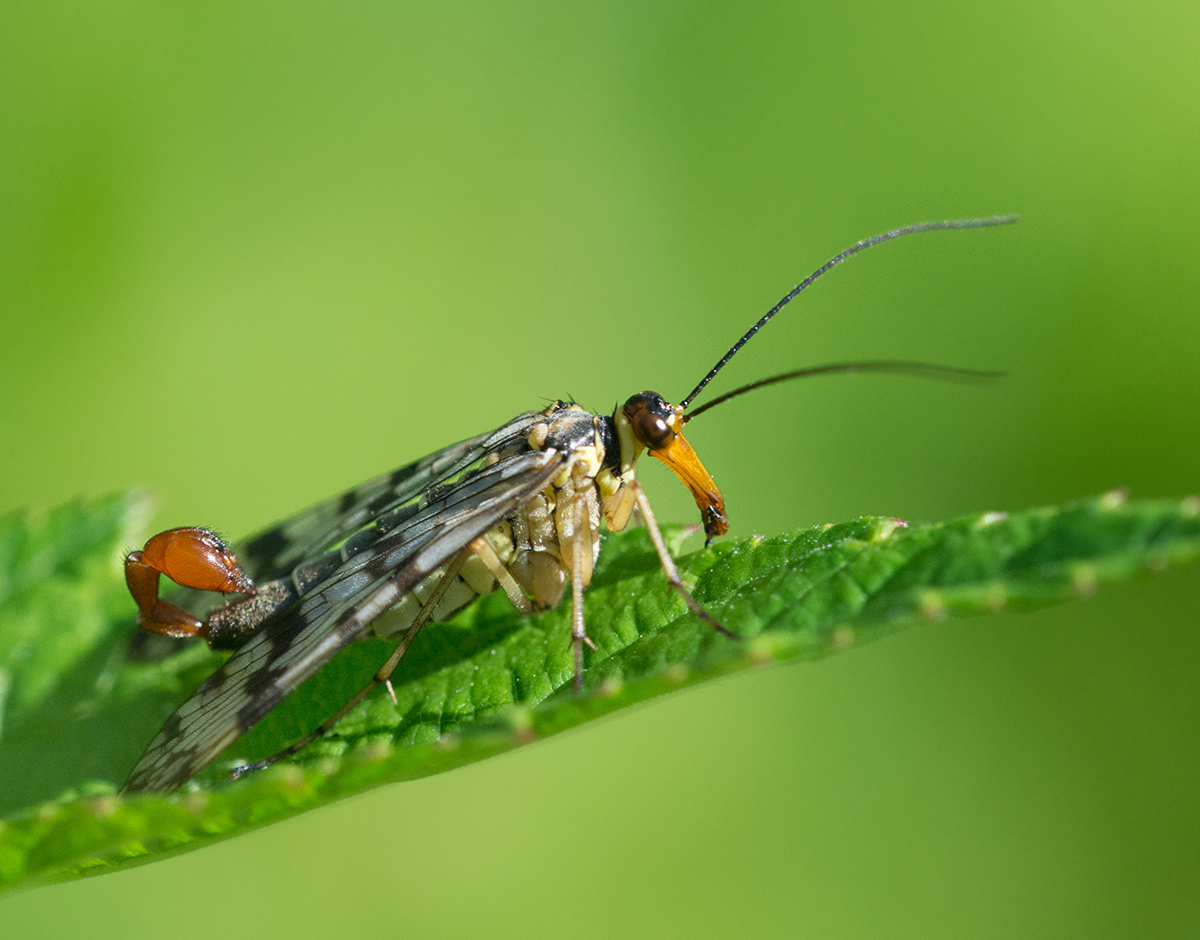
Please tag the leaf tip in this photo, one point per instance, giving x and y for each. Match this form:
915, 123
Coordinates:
104, 806
1157, 562
1114, 499
758, 653
932, 606
766, 648
886, 528
995, 597
195, 802
1084, 580
292, 778
519, 719
382, 749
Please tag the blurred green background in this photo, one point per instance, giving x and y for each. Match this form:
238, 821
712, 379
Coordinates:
251, 253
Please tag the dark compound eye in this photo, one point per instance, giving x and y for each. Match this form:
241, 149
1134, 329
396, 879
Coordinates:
654, 432
650, 415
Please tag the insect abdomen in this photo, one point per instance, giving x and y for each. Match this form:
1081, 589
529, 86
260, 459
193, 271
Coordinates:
472, 580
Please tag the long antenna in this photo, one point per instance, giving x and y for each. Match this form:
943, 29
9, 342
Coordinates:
833, 262
923, 370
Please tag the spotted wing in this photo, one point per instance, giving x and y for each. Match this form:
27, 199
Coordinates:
288, 650
274, 552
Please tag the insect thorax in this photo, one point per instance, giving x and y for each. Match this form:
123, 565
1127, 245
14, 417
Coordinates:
536, 544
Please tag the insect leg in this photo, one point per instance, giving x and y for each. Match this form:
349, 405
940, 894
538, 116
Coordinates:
382, 676
669, 566
496, 568
579, 577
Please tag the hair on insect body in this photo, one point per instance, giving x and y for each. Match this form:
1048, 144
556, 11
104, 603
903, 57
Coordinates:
516, 509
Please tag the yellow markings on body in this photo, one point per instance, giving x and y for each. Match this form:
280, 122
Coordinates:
631, 447
589, 457
617, 498
537, 436
485, 569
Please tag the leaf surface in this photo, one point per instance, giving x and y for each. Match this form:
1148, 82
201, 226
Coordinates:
77, 708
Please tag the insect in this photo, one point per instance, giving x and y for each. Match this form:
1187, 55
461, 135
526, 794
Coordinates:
517, 509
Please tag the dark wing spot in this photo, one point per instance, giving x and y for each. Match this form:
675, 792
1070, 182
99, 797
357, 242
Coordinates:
348, 501
264, 549
171, 728
314, 572
265, 690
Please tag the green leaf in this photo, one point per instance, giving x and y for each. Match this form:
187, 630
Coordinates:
78, 705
